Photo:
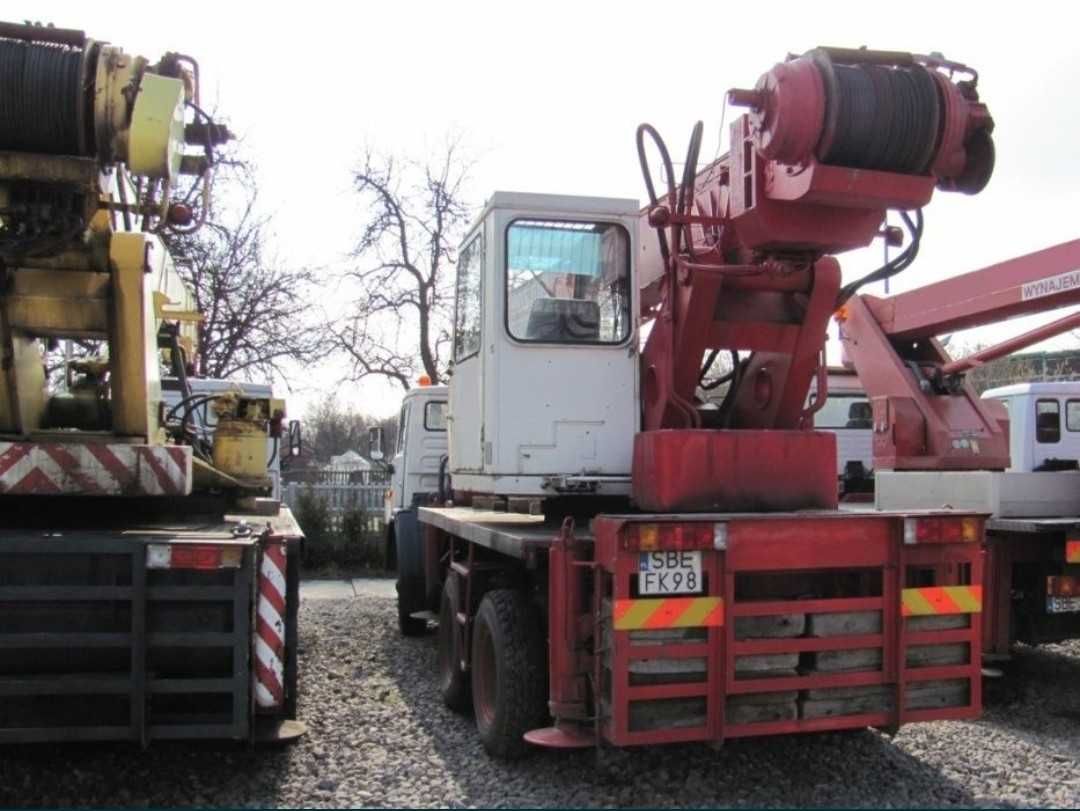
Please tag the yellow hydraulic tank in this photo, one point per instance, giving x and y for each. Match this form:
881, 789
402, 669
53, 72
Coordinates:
240, 448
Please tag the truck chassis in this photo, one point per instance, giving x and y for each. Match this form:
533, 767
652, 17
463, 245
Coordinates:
806, 622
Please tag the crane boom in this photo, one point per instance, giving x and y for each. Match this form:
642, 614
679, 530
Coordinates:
1032, 283
926, 416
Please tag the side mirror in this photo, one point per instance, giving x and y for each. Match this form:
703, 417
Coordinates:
375, 443
296, 442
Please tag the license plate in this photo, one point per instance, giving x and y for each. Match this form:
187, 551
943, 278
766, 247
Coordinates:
1062, 605
669, 573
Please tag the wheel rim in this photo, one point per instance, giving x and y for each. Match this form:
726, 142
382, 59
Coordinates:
485, 687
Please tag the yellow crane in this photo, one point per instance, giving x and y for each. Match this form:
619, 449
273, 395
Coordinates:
143, 563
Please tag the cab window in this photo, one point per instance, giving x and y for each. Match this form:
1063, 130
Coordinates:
1047, 421
567, 282
1072, 415
845, 411
470, 268
403, 427
435, 416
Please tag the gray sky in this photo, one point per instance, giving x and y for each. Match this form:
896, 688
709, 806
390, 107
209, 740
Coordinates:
548, 95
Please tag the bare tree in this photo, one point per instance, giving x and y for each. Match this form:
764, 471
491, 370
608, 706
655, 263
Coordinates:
258, 313
333, 429
405, 256
1019, 368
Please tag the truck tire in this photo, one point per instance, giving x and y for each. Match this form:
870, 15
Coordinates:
509, 673
453, 681
408, 593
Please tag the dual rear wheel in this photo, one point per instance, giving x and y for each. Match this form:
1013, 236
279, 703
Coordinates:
508, 680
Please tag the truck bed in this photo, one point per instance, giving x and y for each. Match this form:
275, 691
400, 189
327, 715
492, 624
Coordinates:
510, 534
1034, 525
516, 534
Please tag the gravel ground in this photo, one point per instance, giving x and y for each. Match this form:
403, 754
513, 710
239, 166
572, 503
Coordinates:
379, 735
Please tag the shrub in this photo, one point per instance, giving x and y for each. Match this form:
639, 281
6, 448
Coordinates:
313, 516
353, 538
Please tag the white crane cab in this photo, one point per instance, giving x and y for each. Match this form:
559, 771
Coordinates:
543, 391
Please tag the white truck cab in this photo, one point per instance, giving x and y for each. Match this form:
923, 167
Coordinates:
546, 309
847, 413
420, 449
1044, 424
418, 467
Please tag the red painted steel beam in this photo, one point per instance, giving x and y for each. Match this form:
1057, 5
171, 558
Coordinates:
1004, 348
1033, 283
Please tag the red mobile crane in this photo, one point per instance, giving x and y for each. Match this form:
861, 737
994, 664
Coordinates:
691, 578
936, 442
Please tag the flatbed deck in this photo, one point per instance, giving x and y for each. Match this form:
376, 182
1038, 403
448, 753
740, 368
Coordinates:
183, 519
510, 534
1034, 525
518, 534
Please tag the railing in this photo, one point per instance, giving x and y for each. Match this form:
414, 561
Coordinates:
340, 497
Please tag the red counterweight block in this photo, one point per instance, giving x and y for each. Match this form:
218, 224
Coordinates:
734, 471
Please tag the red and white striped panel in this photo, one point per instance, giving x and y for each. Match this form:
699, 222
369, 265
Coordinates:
77, 468
269, 658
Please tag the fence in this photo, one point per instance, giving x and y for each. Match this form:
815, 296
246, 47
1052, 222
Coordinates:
341, 516
340, 497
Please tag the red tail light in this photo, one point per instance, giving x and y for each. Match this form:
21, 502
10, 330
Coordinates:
1072, 551
193, 556
673, 536
1063, 586
941, 530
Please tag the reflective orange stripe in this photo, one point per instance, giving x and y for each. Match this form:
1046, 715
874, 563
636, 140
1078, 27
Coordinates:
669, 612
1072, 551
941, 600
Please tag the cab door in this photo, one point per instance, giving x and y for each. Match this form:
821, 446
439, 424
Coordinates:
400, 475
466, 420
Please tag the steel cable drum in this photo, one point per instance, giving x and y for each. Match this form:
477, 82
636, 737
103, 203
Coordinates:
40, 97
879, 118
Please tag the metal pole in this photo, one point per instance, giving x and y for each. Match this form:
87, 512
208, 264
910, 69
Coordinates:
886, 251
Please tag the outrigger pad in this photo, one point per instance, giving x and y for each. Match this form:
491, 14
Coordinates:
702, 470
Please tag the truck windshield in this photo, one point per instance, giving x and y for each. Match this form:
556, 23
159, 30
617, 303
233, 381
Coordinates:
845, 411
567, 282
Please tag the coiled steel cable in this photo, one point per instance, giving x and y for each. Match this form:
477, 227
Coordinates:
886, 119
40, 96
